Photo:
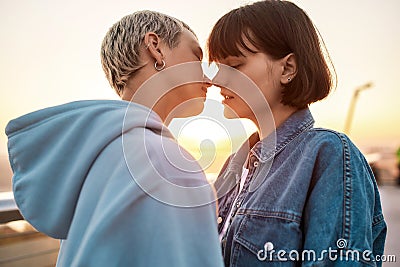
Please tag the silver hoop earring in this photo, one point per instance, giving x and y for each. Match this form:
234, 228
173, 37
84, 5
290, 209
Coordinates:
159, 68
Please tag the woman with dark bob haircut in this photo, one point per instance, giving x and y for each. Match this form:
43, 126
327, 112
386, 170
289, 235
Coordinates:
315, 201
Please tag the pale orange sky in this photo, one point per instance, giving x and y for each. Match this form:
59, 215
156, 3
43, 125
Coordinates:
50, 55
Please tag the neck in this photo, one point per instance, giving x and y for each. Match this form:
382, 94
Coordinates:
280, 115
158, 107
145, 97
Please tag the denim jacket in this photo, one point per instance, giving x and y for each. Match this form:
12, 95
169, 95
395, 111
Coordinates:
317, 202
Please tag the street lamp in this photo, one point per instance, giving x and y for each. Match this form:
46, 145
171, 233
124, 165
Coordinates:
353, 104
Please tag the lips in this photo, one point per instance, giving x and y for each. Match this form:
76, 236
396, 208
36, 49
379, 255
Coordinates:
206, 83
226, 96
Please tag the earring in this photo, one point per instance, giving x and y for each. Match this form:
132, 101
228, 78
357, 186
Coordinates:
147, 46
159, 68
289, 79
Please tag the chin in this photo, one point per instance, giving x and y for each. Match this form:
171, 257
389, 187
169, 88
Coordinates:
194, 108
230, 113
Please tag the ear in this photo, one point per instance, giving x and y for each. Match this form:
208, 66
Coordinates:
289, 68
152, 44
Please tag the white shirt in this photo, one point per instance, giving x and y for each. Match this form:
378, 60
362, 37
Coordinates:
245, 172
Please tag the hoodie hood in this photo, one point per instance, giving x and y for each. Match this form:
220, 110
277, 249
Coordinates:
52, 150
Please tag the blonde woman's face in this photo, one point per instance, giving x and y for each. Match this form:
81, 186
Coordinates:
185, 60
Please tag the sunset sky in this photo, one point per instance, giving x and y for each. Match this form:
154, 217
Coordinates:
50, 55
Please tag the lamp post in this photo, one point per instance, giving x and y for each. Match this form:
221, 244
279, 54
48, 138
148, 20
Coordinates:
350, 113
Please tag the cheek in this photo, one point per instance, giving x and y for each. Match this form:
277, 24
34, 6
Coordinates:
238, 106
260, 77
189, 91
268, 82
174, 59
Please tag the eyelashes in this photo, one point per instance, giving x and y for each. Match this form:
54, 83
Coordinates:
236, 66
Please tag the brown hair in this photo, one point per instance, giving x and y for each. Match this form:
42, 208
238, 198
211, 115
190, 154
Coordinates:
277, 28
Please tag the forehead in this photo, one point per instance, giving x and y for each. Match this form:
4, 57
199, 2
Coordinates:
228, 42
187, 37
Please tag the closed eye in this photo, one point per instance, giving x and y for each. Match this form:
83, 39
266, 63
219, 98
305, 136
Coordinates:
199, 53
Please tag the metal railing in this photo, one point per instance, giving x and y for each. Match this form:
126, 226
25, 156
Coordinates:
8, 208
24, 246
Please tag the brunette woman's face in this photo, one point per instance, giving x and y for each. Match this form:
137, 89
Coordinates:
263, 71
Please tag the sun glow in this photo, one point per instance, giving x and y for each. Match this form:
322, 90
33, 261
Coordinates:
210, 137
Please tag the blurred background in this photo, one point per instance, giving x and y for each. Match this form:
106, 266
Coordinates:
49, 55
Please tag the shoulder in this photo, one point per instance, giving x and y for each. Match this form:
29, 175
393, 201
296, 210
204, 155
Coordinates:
165, 171
328, 136
166, 157
330, 140
337, 148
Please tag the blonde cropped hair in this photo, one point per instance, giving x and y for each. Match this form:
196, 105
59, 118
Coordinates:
121, 45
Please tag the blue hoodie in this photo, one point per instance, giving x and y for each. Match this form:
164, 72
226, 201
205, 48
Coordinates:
109, 179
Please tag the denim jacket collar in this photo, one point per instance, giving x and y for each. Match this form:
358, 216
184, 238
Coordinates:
297, 123
267, 148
